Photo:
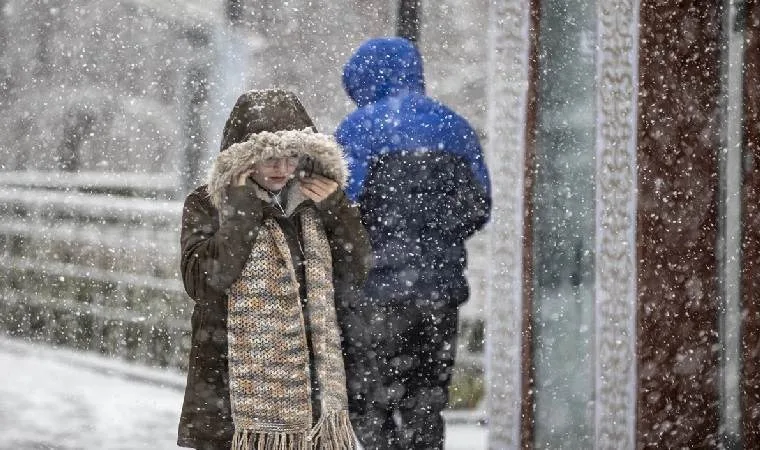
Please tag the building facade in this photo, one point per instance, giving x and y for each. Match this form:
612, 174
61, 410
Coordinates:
626, 216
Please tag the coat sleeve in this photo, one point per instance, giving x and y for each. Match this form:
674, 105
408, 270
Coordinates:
349, 242
464, 209
216, 245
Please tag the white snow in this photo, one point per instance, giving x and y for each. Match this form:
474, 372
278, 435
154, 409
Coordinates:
137, 210
61, 399
109, 180
55, 399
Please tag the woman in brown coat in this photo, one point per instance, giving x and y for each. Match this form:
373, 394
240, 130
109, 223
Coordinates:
269, 247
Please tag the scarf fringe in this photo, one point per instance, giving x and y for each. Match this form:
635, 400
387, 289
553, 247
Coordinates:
332, 432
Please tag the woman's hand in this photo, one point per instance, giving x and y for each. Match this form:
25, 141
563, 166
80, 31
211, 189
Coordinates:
317, 187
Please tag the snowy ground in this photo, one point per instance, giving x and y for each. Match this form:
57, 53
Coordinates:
59, 399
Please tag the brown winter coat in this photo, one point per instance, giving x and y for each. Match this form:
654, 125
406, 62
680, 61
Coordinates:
215, 247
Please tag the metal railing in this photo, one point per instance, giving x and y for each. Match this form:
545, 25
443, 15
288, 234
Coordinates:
90, 261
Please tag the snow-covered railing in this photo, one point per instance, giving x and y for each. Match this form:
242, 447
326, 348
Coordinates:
90, 261
125, 183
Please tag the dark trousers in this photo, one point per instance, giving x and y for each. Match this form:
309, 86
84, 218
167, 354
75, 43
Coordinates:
415, 347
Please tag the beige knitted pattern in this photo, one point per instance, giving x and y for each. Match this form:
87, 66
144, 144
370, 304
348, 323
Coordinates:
269, 367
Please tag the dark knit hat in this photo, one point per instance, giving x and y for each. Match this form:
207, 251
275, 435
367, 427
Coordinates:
264, 110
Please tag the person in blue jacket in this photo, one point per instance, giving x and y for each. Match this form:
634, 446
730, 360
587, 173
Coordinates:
418, 173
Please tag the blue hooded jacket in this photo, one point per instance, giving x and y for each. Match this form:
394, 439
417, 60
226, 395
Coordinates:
384, 78
418, 173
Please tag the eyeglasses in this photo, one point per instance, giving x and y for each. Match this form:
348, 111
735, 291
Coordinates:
271, 163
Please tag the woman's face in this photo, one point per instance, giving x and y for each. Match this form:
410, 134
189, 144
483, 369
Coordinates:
274, 173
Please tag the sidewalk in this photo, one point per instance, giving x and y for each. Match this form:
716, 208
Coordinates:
61, 399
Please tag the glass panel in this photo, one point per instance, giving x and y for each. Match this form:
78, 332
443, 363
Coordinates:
564, 226
729, 238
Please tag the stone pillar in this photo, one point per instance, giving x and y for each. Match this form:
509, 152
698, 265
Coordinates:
678, 144
615, 265
508, 148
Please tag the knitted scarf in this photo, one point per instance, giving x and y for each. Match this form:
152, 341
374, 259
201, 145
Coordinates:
269, 368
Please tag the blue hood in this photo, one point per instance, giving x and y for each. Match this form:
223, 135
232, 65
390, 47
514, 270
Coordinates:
381, 68
384, 78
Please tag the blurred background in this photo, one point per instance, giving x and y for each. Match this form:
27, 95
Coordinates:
621, 262
112, 111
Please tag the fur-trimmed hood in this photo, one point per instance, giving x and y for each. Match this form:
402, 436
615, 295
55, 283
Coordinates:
326, 153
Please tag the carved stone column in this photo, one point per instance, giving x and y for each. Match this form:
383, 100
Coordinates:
615, 288
508, 149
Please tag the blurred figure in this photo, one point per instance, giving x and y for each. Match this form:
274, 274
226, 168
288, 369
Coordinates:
418, 173
269, 247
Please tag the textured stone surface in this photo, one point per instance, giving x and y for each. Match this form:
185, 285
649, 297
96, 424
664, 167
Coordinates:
678, 142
